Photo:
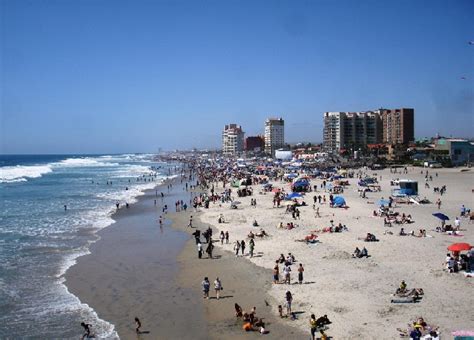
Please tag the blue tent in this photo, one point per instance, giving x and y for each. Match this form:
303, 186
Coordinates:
292, 195
339, 201
384, 203
292, 175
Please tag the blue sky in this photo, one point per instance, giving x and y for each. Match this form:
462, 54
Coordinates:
131, 76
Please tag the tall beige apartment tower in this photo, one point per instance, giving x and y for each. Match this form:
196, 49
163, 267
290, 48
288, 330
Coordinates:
274, 135
232, 139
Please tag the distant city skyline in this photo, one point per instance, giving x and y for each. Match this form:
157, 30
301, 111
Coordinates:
135, 76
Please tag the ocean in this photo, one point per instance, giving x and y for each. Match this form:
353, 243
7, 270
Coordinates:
40, 239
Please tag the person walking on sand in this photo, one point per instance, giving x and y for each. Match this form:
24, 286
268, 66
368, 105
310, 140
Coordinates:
222, 237
205, 287
138, 325
237, 248
251, 247
276, 274
300, 273
313, 325
286, 273
242, 247
226, 237
289, 300
190, 225
209, 249
199, 247
217, 287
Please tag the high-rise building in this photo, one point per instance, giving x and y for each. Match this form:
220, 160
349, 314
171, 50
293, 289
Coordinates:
274, 135
351, 130
254, 143
398, 125
232, 139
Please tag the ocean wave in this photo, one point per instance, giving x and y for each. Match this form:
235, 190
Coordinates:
82, 162
20, 173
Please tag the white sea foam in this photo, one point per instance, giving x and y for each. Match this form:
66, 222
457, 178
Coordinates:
82, 162
20, 173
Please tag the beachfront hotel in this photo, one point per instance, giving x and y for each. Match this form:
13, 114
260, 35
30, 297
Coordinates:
398, 125
274, 135
232, 139
356, 130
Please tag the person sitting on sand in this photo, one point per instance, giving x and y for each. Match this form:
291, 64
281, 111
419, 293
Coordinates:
310, 238
281, 259
251, 235
261, 233
281, 226
323, 321
402, 232
356, 252
402, 288
247, 327
221, 219
238, 311
364, 253
255, 223
370, 238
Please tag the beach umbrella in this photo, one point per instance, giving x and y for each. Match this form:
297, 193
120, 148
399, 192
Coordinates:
441, 216
276, 190
339, 201
292, 195
292, 175
383, 203
457, 247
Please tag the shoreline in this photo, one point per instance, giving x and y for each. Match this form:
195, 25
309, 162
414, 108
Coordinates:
126, 272
119, 284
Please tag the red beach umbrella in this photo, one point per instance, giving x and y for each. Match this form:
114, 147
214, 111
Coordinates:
459, 247
276, 189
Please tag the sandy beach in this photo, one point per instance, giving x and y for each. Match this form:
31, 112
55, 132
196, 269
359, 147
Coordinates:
356, 293
136, 269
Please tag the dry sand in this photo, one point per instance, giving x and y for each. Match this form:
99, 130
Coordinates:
356, 293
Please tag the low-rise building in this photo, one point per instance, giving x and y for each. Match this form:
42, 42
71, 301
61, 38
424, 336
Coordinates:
460, 151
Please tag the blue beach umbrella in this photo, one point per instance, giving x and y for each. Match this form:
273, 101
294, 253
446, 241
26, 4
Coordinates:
292, 195
441, 216
339, 201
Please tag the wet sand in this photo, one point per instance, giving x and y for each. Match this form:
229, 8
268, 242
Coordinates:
132, 271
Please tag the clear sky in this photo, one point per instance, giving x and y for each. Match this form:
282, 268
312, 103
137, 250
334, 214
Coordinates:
100, 76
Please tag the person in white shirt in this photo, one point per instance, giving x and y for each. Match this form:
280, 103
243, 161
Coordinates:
457, 223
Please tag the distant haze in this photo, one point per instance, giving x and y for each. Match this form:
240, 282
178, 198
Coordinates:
134, 76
